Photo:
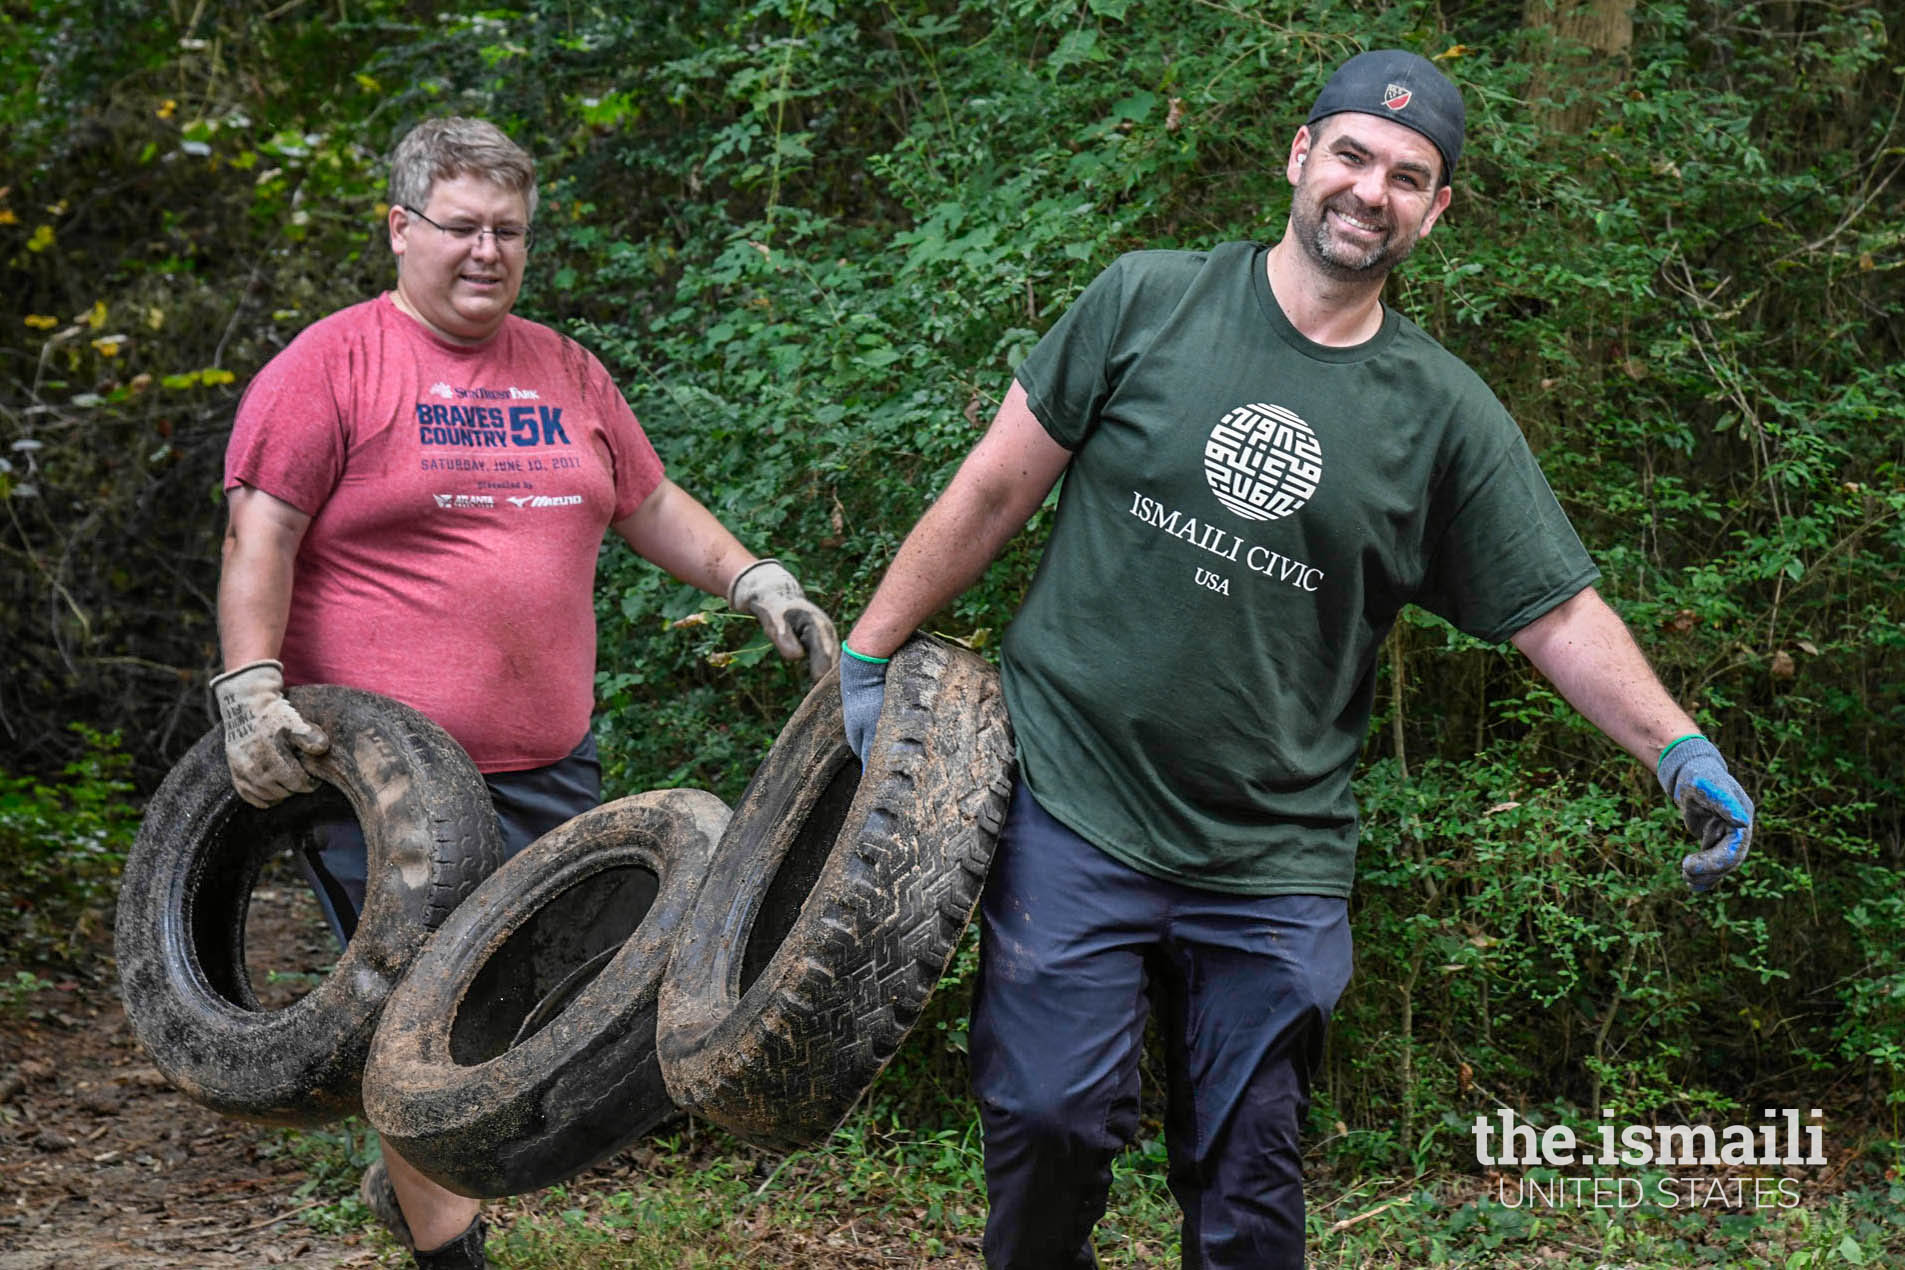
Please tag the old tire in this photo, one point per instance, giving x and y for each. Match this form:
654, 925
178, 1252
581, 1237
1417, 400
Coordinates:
520, 1049
836, 900
180, 931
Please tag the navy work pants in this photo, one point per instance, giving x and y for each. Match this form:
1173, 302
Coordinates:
1074, 947
528, 804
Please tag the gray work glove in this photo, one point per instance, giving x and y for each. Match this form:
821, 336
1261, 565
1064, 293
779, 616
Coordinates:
862, 691
793, 623
1714, 806
264, 735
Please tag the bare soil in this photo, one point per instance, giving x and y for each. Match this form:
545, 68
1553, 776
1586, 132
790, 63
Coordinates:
104, 1165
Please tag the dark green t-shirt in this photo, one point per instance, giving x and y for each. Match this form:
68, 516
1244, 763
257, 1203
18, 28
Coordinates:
1245, 512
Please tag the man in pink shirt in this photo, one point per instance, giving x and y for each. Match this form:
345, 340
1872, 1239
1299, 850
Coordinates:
418, 488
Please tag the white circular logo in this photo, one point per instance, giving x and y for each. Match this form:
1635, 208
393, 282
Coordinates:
1263, 462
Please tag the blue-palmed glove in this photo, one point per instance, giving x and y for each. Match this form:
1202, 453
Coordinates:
1714, 806
862, 690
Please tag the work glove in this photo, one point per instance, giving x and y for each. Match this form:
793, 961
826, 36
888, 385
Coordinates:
1714, 806
793, 623
264, 735
862, 690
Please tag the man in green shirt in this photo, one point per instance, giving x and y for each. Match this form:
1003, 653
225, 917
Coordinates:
1262, 465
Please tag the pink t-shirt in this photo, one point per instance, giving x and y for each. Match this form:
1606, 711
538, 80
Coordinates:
458, 499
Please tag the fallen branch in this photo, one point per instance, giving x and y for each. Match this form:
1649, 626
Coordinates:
1347, 1222
289, 1213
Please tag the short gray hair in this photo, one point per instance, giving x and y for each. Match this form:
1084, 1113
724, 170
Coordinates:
452, 146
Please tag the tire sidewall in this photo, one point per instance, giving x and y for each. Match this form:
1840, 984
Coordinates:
780, 1060
587, 1083
431, 835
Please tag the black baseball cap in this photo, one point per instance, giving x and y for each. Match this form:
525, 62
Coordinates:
1403, 86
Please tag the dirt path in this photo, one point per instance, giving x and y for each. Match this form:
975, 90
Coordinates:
104, 1166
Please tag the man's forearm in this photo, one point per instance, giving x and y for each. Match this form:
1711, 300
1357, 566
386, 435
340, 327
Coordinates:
675, 532
1587, 652
254, 605
946, 552
255, 578
993, 494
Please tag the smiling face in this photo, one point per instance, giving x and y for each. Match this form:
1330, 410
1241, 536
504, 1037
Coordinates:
1366, 194
462, 290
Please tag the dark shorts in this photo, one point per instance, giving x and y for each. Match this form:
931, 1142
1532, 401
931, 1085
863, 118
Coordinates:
528, 804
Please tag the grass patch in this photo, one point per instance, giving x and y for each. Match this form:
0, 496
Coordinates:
883, 1195
1455, 1220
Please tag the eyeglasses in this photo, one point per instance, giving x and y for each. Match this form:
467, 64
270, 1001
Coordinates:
508, 237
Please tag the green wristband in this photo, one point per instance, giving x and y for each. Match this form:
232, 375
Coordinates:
1691, 736
874, 661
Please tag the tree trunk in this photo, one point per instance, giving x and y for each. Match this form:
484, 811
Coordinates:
1582, 48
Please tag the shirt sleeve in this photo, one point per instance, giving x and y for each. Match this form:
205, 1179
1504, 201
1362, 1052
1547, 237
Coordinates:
1506, 553
288, 438
1067, 376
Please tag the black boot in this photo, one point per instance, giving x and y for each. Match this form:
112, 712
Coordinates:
465, 1252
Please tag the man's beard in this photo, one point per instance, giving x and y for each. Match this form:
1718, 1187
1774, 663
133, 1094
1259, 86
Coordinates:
1345, 262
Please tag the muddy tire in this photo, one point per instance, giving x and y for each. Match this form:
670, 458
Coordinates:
520, 1049
180, 931
836, 900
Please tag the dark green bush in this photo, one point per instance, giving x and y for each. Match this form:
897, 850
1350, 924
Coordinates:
62, 843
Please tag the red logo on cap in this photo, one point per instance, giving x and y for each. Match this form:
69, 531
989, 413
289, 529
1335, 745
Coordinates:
1395, 96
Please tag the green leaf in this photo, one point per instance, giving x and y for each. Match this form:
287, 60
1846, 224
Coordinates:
1076, 47
1135, 107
